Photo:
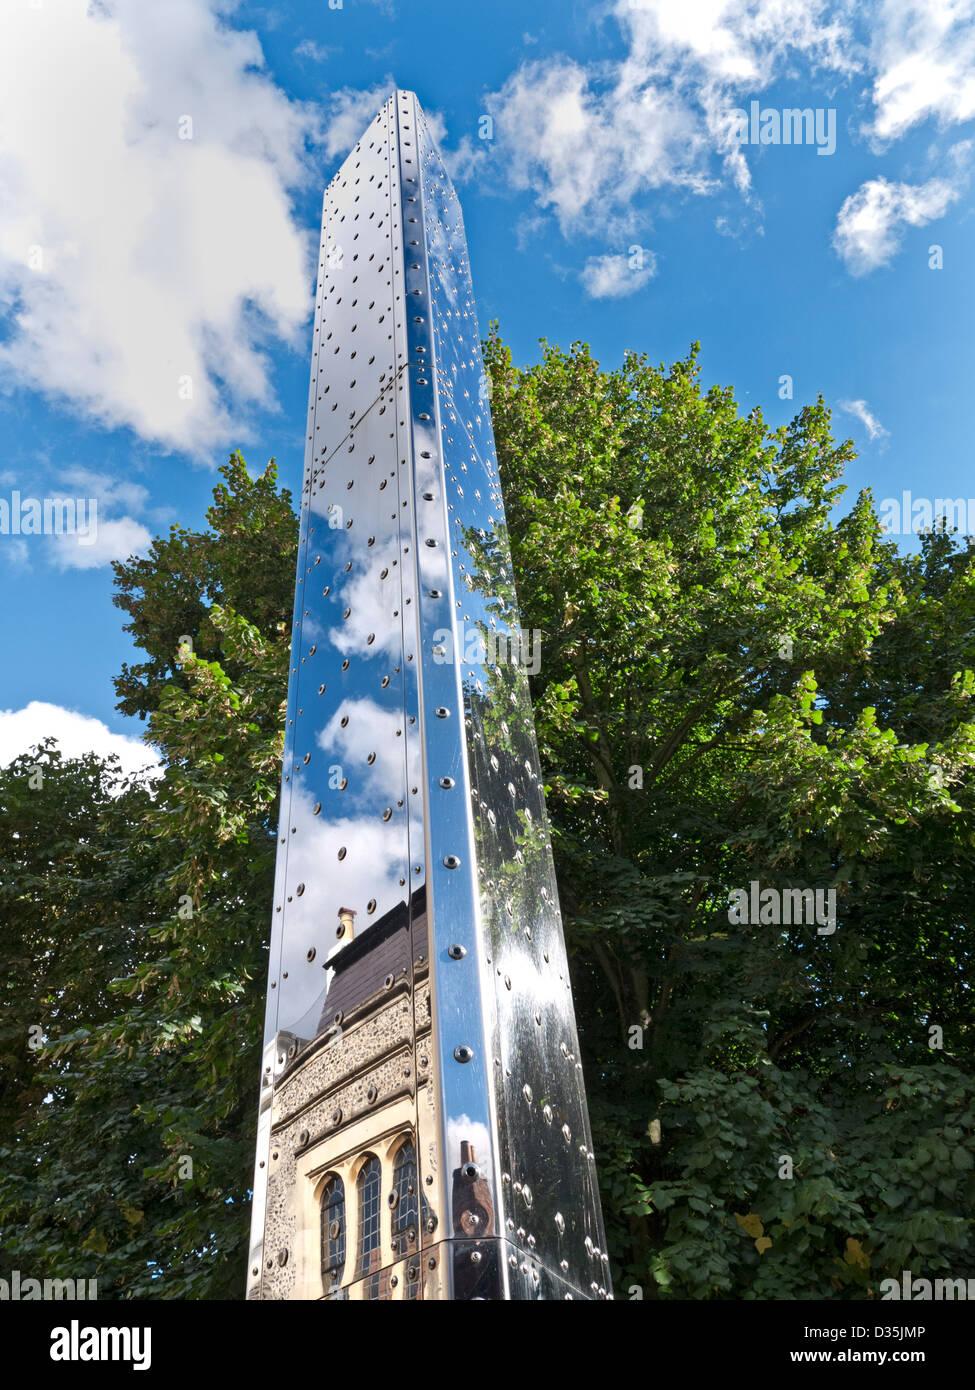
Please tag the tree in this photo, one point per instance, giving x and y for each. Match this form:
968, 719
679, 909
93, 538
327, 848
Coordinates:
244, 562
735, 690
135, 1122
75, 899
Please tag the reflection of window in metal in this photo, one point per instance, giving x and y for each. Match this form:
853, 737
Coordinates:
403, 1200
333, 1234
368, 1187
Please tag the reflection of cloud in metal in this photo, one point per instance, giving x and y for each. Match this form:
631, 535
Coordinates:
461, 1127
372, 600
370, 730
441, 256
371, 871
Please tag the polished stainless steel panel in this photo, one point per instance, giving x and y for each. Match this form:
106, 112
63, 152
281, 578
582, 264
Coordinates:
420, 1047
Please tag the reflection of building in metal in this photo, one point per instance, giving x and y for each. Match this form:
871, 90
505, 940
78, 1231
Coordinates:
423, 1130
472, 1208
345, 1168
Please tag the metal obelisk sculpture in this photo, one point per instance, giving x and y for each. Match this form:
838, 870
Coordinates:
423, 1129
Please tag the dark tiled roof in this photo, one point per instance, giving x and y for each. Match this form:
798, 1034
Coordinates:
384, 948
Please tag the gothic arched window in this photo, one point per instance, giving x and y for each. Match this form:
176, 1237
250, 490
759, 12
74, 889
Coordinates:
406, 1209
333, 1233
369, 1190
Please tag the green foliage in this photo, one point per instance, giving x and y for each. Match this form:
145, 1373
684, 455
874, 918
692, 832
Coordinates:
75, 900
245, 562
134, 1127
734, 689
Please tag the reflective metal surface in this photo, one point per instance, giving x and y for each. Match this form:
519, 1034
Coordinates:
423, 1129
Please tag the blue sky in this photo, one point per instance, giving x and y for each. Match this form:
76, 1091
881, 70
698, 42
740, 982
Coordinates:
161, 170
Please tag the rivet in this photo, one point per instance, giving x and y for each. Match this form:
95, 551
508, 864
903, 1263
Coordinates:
456, 951
463, 1053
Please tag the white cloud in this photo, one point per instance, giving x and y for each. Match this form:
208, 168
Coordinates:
528, 227
351, 109
164, 262
109, 491
866, 417
77, 520
461, 1128
590, 140
466, 161
16, 554
114, 539
871, 221
76, 734
587, 154
602, 143
437, 127
923, 57
741, 42
317, 52
616, 276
